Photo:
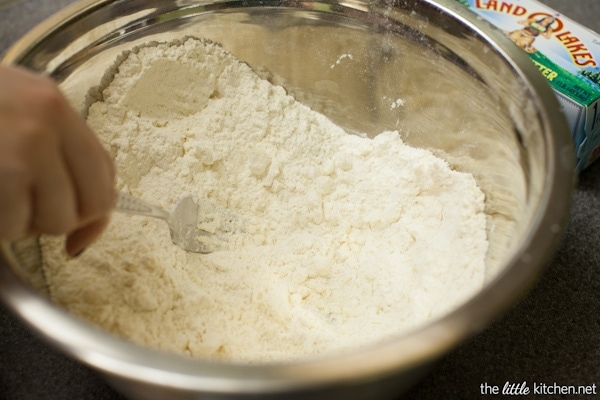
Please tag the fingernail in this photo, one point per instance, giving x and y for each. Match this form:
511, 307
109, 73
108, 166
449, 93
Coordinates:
76, 255
80, 252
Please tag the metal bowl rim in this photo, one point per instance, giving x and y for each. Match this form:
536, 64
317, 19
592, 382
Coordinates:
122, 359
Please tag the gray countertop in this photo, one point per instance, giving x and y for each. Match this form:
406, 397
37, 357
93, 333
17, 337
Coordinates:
551, 336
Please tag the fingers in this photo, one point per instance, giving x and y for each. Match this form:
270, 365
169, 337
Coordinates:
15, 202
93, 179
55, 176
92, 171
81, 238
37, 191
54, 200
92, 175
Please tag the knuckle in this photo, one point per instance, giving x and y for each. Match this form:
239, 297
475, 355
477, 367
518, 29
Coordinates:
98, 206
50, 100
13, 172
50, 94
33, 134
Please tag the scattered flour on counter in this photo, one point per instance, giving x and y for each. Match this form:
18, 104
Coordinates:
355, 239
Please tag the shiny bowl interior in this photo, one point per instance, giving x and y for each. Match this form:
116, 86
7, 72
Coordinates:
500, 122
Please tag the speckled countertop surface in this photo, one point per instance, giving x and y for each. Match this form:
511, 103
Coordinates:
551, 336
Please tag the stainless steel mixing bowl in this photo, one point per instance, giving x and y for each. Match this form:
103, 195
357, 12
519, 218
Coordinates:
469, 95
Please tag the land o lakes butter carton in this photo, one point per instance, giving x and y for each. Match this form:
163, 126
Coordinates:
566, 53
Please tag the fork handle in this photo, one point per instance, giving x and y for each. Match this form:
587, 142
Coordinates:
133, 205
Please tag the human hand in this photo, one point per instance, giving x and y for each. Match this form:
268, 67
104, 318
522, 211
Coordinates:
55, 176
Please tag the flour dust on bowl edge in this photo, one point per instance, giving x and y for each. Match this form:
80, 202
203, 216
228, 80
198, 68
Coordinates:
430, 69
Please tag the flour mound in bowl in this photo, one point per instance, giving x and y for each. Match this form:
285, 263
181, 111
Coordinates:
351, 240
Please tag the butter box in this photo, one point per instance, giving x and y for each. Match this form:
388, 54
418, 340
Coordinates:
566, 53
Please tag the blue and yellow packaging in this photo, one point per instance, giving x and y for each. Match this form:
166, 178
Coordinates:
566, 53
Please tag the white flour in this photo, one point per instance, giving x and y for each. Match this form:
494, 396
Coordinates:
359, 239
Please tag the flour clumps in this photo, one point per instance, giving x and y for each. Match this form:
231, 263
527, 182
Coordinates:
352, 240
